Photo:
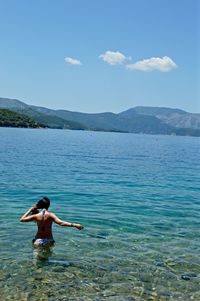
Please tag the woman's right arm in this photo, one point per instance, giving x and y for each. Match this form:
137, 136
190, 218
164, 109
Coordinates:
65, 224
26, 217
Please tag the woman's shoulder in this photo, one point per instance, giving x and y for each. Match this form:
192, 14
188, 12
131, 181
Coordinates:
51, 214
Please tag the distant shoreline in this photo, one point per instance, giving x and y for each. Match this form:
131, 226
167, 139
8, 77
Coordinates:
117, 132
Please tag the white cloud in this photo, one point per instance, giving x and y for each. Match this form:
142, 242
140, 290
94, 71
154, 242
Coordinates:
71, 61
163, 64
113, 57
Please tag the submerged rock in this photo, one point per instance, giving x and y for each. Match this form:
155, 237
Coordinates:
188, 276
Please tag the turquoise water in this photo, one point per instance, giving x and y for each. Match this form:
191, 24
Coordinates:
136, 195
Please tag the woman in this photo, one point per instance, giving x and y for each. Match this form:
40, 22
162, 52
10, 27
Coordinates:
44, 220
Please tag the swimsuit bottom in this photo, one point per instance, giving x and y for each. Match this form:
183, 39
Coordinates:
43, 242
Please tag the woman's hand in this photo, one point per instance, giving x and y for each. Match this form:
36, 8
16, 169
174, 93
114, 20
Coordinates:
33, 209
78, 226
26, 217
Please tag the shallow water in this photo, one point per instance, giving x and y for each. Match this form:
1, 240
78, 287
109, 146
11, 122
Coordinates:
136, 195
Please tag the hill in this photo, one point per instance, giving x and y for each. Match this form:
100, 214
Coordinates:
13, 119
147, 120
52, 121
132, 120
114, 122
174, 117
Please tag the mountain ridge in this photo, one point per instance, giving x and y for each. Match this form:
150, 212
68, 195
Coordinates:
174, 117
140, 119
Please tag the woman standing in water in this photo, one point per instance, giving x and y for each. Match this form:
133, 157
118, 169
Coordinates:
44, 220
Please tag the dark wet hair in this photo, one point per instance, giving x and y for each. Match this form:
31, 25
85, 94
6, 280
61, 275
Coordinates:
43, 203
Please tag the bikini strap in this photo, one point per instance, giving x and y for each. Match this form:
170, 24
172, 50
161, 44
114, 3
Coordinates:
43, 214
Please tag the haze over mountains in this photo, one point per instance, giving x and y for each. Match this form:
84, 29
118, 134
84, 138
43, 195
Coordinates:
148, 120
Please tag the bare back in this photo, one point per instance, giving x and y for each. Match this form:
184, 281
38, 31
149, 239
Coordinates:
44, 222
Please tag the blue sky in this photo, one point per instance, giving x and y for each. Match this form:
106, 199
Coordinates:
97, 56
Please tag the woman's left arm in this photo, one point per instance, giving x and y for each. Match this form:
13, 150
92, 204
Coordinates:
26, 217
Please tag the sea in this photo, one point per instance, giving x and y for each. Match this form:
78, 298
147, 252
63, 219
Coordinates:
138, 198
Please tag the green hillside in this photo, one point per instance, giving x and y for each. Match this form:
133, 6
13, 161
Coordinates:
13, 119
50, 121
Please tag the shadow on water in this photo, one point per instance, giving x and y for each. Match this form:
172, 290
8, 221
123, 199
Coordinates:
47, 259
61, 264
100, 234
51, 262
